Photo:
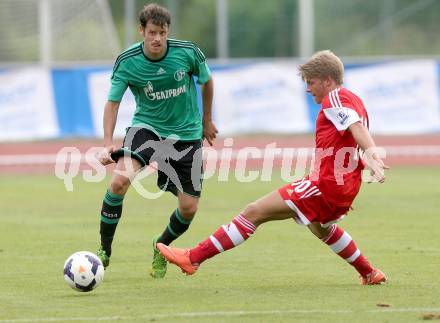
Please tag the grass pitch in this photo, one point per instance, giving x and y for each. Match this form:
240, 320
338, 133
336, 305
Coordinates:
282, 274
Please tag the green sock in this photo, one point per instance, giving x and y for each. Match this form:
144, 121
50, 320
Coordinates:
175, 228
110, 214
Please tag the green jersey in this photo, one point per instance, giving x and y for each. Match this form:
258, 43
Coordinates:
164, 90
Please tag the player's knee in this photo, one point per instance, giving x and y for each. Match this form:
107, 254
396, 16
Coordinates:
119, 186
252, 212
188, 210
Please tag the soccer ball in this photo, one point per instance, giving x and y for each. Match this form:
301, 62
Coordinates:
83, 271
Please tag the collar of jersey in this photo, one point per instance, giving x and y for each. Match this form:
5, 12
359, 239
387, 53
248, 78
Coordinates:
154, 60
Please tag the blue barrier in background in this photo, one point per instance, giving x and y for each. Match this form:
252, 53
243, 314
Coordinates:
72, 102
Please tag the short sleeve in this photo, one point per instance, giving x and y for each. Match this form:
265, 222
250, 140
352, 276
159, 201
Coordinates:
339, 111
341, 117
200, 67
118, 87
204, 73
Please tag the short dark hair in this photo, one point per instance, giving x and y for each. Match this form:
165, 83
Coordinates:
158, 15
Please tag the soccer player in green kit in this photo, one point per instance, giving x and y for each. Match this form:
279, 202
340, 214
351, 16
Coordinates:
166, 128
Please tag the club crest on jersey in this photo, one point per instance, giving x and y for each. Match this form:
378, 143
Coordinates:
179, 75
148, 89
162, 95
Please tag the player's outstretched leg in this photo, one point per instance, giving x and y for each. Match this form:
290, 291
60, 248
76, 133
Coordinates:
224, 238
268, 208
343, 245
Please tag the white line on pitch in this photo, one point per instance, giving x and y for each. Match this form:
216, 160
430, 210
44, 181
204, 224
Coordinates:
220, 314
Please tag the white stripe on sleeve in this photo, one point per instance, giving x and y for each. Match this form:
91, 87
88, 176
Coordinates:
338, 101
332, 100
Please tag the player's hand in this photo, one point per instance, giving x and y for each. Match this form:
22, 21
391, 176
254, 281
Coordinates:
104, 156
377, 168
209, 131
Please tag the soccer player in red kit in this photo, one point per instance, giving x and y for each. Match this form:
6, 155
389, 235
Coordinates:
319, 200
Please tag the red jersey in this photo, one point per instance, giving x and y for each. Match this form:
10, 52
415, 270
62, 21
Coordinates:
337, 168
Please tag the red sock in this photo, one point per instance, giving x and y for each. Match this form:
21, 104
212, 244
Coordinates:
224, 238
342, 244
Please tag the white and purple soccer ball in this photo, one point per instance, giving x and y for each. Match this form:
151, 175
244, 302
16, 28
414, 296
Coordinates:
83, 271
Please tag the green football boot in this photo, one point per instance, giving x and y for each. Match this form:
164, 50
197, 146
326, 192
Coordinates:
103, 256
159, 264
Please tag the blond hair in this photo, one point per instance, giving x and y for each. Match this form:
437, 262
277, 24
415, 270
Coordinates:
321, 65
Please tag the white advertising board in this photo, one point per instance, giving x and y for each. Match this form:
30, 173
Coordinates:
27, 109
266, 97
401, 97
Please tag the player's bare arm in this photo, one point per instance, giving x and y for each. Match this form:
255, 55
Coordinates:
109, 122
209, 129
363, 138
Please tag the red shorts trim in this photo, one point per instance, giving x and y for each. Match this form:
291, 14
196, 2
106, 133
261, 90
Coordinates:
309, 203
